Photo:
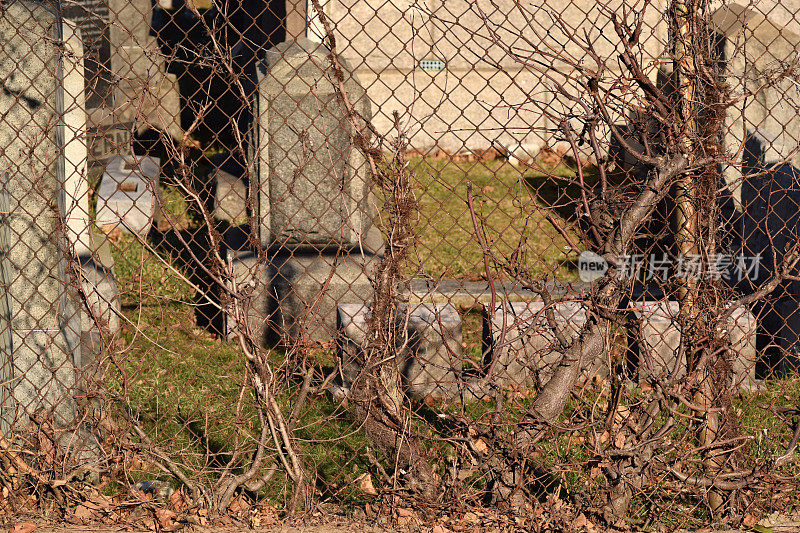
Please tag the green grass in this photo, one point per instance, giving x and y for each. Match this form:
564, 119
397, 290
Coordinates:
508, 209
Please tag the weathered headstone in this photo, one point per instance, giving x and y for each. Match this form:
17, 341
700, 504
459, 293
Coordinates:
429, 341
315, 211
754, 49
763, 131
314, 184
226, 185
88, 248
146, 95
127, 87
521, 345
45, 317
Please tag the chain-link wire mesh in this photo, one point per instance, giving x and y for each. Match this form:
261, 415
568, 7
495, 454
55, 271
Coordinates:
478, 262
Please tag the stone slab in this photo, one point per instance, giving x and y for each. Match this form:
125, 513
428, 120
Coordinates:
753, 45
655, 341
294, 296
45, 312
314, 187
429, 346
126, 197
230, 195
520, 343
472, 294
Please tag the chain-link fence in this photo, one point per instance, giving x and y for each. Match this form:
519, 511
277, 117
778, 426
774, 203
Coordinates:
479, 262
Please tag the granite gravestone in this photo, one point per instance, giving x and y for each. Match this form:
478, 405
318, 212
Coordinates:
654, 344
312, 193
520, 344
754, 50
44, 310
127, 87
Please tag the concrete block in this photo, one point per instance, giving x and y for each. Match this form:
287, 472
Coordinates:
294, 296
100, 288
127, 194
305, 289
655, 340
520, 343
230, 196
43, 303
433, 365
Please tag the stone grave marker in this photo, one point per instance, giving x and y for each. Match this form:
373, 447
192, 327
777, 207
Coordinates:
312, 193
44, 309
753, 49
89, 248
127, 198
429, 335
314, 185
655, 341
519, 342
127, 86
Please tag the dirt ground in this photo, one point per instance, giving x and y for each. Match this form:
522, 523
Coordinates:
771, 524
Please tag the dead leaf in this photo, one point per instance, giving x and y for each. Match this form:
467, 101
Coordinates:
583, 522
471, 518
619, 440
113, 233
100, 502
405, 513
166, 520
85, 513
264, 516
480, 445
178, 501
749, 520
240, 506
23, 527
439, 529
364, 482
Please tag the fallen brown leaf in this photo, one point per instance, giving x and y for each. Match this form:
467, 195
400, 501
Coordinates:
480, 445
749, 520
583, 522
23, 527
364, 482
84, 514
166, 520
178, 501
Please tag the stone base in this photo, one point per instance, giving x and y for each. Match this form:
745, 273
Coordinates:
100, 315
126, 198
295, 295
